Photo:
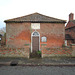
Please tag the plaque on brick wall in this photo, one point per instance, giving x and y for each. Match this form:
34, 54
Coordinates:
44, 39
35, 25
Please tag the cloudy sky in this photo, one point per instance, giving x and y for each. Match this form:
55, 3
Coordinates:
53, 8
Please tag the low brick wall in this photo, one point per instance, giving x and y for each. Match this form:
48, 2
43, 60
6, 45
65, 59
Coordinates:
18, 52
73, 48
57, 52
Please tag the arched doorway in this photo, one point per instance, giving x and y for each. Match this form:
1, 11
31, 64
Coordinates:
35, 41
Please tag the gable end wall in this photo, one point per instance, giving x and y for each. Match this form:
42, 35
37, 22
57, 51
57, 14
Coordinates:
19, 34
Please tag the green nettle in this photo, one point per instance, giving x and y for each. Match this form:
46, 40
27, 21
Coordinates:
38, 52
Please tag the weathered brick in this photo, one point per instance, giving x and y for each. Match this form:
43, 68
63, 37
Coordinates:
19, 34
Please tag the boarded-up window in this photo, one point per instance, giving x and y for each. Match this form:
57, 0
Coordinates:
44, 39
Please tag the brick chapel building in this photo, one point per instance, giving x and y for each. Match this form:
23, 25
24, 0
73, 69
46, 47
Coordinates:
70, 30
34, 30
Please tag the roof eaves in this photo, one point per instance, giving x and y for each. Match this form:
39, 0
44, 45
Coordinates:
35, 21
18, 19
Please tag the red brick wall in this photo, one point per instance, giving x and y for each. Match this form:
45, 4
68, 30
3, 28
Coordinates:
19, 34
71, 16
73, 48
54, 33
15, 52
71, 31
57, 52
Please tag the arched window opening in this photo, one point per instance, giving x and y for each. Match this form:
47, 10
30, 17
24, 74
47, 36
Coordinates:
35, 34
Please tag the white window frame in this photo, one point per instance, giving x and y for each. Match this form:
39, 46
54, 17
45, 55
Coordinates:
43, 39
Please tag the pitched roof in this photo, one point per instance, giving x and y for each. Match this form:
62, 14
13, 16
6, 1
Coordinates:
36, 17
73, 21
70, 24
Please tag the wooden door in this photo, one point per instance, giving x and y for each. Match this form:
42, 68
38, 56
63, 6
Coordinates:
35, 43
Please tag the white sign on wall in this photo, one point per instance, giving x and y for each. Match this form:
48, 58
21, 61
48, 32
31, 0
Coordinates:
35, 25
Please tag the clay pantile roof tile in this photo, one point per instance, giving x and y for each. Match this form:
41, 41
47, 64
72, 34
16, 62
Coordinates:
36, 17
73, 21
70, 24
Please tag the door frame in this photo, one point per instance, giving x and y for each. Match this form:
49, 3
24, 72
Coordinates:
31, 40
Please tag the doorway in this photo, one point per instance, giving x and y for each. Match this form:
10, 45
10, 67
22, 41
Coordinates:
35, 41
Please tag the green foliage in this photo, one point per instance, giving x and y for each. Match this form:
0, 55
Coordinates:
63, 45
38, 52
